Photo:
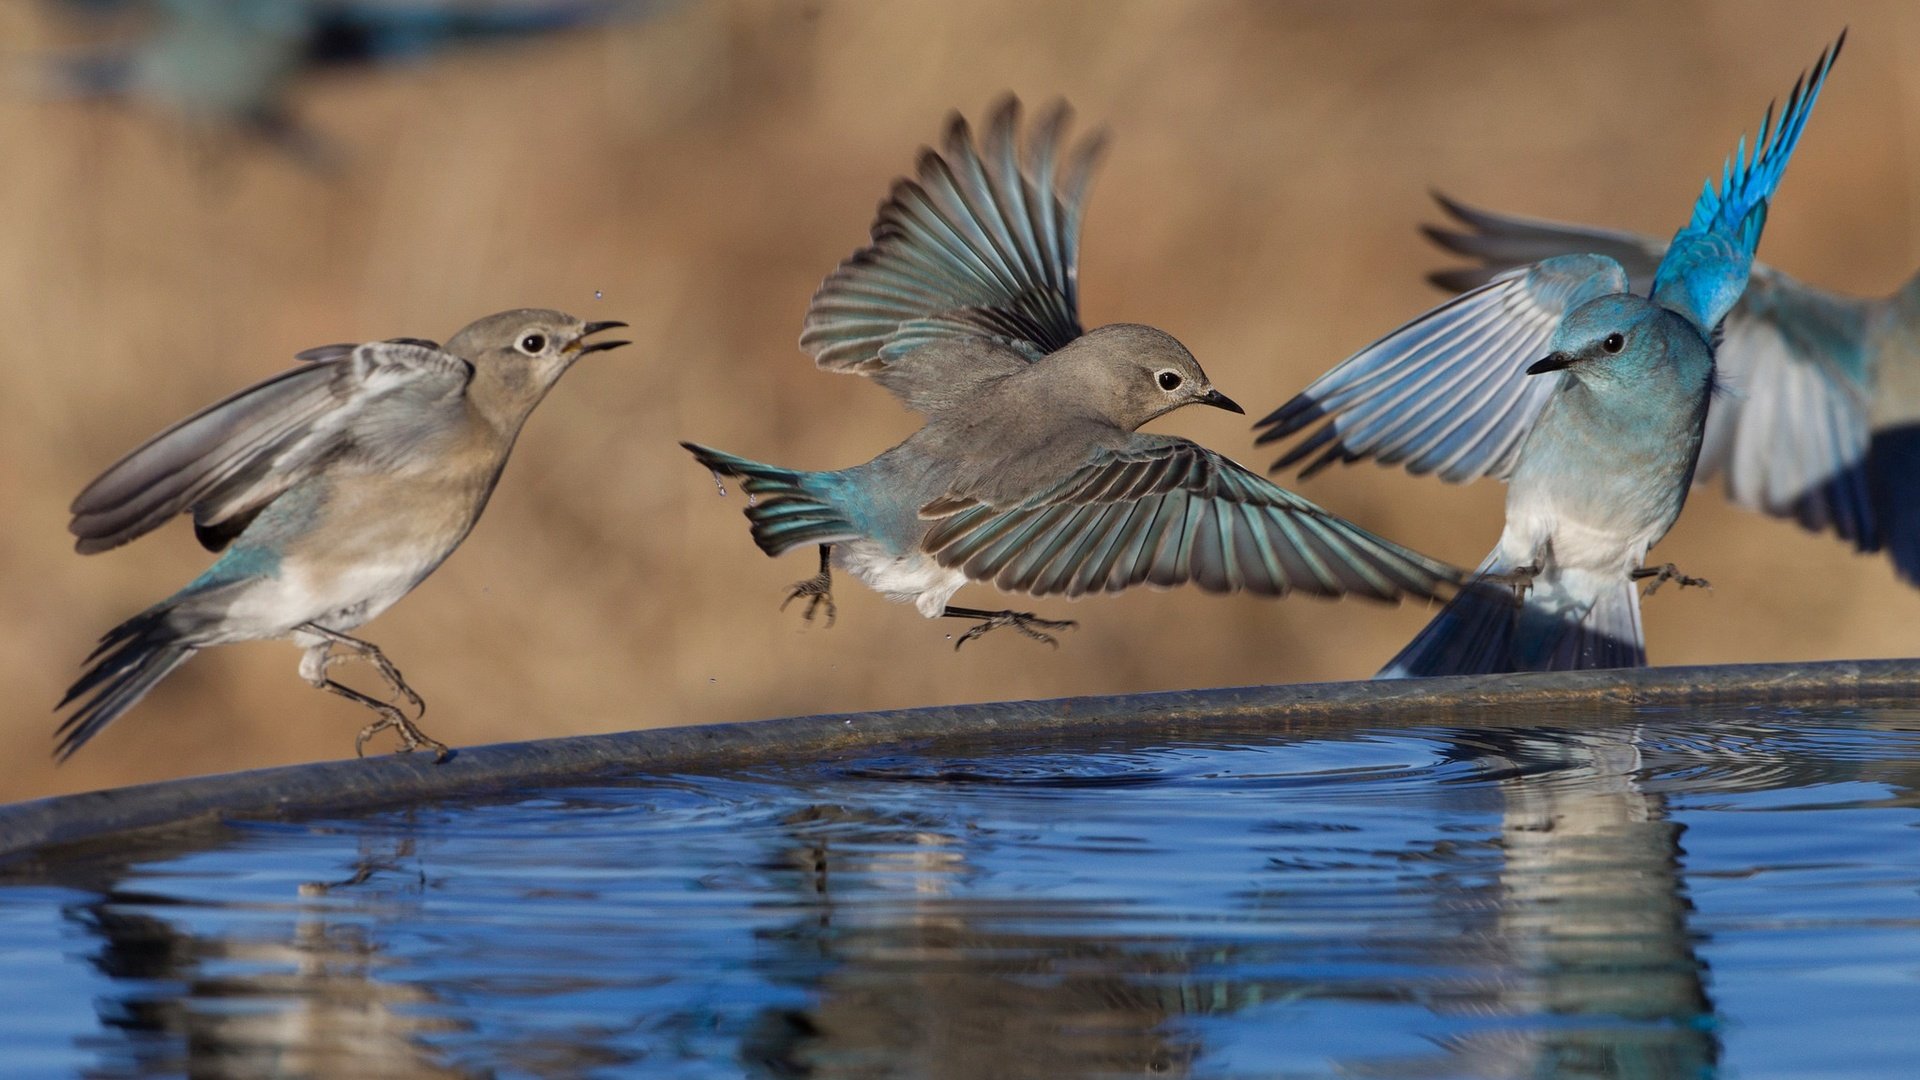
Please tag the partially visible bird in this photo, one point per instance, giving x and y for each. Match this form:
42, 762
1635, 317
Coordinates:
1599, 440
1029, 472
233, 64
334, 489
1820, 421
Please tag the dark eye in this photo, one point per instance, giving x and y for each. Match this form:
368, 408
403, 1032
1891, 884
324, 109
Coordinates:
533, 344
1169, 380
1614, 343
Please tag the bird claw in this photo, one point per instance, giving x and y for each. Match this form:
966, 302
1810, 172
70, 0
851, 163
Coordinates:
1519, 579
818, 590
1656, 576
1027, 623
411, 737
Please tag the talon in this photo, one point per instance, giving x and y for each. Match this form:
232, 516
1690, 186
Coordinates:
1656, 576
1026, 623
818, 590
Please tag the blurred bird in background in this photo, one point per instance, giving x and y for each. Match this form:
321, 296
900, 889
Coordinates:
233, 64
1029, 472
334, 489
1819, 418
1598, 440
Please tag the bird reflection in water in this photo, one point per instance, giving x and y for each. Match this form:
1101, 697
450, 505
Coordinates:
318, 1001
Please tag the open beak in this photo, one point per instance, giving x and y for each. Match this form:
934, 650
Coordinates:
1221, 401
581, 346
1552, 362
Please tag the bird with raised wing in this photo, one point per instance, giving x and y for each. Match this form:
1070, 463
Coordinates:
331, 490
1030, 472
1820, 418
1598, 441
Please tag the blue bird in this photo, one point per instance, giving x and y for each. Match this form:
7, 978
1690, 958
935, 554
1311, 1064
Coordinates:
1030, 472
1821, 419
233, 64
1598, 441
331, 490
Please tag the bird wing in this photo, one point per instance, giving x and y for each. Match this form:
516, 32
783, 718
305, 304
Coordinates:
980, 247
1505, 241
230, 459
1706, 265
1447, 392
1166, 511
1791, 430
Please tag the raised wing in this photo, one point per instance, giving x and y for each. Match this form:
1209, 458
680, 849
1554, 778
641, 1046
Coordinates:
230, 459
1706, 266
1447, 393
981, 246
1790, 432
1167, 511
1505, 241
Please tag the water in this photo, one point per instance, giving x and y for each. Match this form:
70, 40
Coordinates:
1659, 894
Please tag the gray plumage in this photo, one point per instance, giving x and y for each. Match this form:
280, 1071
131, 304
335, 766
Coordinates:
1029, 471
332, 489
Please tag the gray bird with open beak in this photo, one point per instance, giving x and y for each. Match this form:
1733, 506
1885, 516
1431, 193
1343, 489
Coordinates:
1029, 472
332, 490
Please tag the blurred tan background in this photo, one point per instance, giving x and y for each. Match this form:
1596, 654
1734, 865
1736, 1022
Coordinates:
701, 171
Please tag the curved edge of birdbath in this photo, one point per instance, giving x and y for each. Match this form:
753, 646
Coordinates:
39, 829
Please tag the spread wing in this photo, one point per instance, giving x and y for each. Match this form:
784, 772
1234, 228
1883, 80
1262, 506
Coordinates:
229, 460
981, 246
1448, 392
1791, 431
1166, 511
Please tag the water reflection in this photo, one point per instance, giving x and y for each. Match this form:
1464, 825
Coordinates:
1576, 914
310, 1004
1489, 902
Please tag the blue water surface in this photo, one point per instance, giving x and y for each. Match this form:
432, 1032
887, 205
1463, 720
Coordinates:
1656, 894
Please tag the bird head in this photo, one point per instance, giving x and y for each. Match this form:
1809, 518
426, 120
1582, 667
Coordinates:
518, 355
1131, 374
1619, 337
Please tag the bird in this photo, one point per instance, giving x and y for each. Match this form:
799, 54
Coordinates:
330, 490
234, 64
1029, 471
1599, 441
1820, 423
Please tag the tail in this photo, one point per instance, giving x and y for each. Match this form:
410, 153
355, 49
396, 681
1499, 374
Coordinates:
786, 507
1893, 460
128, 662
1484, 630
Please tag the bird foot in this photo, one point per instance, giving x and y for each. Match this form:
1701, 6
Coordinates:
1027, 623
1656, 576
411, 737
1519, 579
818, 590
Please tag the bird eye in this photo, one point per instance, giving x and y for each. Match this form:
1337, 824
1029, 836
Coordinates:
533, 344
1614, 343
1168, 380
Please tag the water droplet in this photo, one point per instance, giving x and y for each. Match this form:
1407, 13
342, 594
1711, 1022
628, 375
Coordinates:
720, 482
597, 294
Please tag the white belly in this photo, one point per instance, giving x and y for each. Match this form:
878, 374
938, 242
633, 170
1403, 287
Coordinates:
339, 600
913, 577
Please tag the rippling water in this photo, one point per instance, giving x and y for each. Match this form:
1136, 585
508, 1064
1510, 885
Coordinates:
1665, 894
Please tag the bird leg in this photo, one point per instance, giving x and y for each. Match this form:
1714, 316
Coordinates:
818, 589
1026, 622
314, 668
368, 651
1656, 576
1519, 579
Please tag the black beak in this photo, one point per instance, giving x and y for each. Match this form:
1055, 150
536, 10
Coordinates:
582, 346
1552, 362
1221, 401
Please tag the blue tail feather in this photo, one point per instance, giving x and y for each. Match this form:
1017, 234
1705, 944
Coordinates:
787, 507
